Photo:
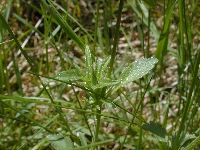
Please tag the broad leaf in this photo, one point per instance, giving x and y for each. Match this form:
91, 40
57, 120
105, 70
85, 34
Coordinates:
135, 71
83, 139
72, 74
59, 142
155, 129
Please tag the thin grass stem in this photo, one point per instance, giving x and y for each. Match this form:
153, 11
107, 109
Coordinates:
114, 49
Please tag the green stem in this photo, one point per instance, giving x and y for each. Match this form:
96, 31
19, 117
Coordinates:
114, 49
96, 27
98, 118
148, 41
188, 104
181, 50
139, 146
134, 116
79, 103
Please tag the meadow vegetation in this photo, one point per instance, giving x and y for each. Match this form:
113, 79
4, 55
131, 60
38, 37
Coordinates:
99, 74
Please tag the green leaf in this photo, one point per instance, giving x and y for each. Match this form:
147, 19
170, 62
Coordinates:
72, 74
156, 129
61, 21
59, 142
149, 3
89, 63
5, 24
79, 69
97, 69
2, 26
184, 138
103, 68
83, 139
143, 14
135, 71
194, 143
162, 45
26, 23
104, 83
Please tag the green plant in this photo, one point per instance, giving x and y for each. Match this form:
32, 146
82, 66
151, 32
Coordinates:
100, 86
95, 95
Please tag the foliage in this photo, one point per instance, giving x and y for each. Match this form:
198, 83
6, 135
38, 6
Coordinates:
66, 82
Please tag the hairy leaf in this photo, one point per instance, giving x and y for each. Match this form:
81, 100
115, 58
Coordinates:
59, 142
135, 71
72, 74
103, 67
155, 129
89, 63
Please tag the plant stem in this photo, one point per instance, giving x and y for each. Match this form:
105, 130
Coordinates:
96, 27
134, 116
98, 118
146, 54
188, 104
114, 49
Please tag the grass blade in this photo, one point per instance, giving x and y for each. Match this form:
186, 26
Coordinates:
17, 42
162, 45
61, 21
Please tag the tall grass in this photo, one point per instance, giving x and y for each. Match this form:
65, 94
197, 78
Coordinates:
76, 88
